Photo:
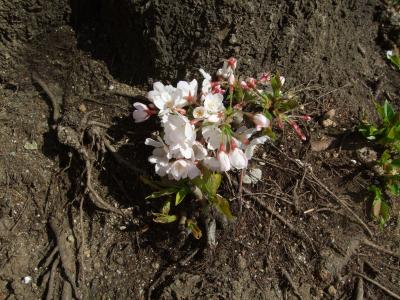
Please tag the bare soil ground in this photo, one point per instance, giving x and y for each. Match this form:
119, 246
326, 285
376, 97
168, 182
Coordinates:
72, 211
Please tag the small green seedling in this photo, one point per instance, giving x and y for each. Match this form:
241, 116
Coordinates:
175, 193
387, 137
394, 58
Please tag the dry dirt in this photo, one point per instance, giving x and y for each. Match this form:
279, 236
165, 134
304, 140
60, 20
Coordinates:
54, 231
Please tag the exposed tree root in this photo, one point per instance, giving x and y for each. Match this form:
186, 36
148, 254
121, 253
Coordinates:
65, 255
51, 283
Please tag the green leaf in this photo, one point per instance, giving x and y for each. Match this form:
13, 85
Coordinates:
180, 195
380, 208
376, 208
384, 213
276, 86
209, 183
268, 115
164, 192
380, 110
388, 110
268, 132
396, 163
166, 207
194, 229
223, 206
287, 105
394, 188
164, 218
395, 60
385, 157
213, 183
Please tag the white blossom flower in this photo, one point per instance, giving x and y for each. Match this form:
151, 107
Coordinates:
213, 103
211, 163
142, 112
261, 121
389, 54
181, 169
166, 97
215, 118
200, 113
189, 90
213, 136
160, 157
282, 80
199, 151
179, 135
206, 84
237, 159
249, 149
224, 162
228, 68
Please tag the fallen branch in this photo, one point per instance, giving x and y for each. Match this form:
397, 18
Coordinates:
377, 284
379, 248
360, 287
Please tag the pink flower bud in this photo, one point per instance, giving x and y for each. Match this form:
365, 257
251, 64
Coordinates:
231, 79
251, 82
297, 130
142, 112
260, 121
306, 118
232, 63
265, 77
244, 85
218, 90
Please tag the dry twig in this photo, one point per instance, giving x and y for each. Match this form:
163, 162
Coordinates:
291, 282
379, 248
313, 179
377, 284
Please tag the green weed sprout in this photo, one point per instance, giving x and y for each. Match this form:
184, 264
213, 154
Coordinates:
387, 138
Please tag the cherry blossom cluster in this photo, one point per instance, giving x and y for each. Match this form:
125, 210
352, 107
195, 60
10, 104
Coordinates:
215, 126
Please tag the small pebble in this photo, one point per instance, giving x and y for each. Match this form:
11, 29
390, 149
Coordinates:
332, 291
82, 108
328, 123
27, 279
